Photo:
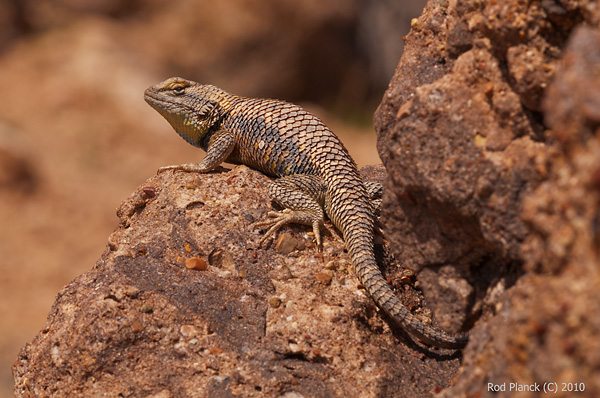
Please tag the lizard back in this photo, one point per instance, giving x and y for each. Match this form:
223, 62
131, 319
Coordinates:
280, 139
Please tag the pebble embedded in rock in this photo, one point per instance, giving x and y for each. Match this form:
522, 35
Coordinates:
274, 302
324, 278
137, 326
196, 263
146, 308
286, 243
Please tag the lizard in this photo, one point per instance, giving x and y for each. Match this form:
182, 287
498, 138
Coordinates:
312, 175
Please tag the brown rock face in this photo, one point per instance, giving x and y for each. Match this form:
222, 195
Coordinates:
490, 135
248, 322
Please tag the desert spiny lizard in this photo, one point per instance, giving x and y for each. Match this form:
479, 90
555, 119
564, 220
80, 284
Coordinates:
313, 174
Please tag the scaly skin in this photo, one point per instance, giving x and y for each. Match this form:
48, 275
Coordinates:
312, 169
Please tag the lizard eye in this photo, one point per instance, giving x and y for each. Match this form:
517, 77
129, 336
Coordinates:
179, 90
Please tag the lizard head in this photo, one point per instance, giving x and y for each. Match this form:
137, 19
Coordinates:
190, 107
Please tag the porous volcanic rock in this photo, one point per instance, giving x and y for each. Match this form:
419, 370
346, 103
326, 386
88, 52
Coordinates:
490, 133
183, 304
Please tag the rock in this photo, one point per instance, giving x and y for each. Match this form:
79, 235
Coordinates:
286, 243
490, 133
324, 277
458, 143
141, 324
461, 138
196, 263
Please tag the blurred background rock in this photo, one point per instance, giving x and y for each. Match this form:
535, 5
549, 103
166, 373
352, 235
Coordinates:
76, 137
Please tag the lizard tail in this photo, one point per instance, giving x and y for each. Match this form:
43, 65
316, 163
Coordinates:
359, 241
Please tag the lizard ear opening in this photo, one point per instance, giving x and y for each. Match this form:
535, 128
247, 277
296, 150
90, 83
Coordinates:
207, 109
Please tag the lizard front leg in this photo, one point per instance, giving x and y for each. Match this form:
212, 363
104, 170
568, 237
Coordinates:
219, 148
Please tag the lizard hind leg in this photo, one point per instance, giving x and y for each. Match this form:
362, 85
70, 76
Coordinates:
302, 197
375, 191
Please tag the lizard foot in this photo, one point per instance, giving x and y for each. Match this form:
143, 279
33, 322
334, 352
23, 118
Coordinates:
277, 220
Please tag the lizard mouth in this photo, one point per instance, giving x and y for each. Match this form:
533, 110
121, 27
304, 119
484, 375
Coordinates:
179, 115
155, 100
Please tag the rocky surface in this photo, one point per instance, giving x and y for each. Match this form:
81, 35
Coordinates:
183, 303
76, 136
489, 132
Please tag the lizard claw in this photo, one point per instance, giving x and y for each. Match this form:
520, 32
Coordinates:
187, 167
277, 220
166, 168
